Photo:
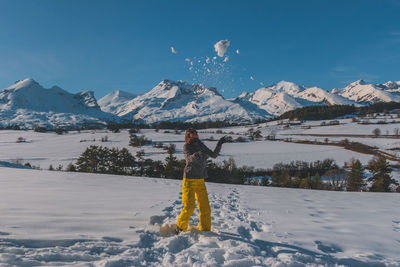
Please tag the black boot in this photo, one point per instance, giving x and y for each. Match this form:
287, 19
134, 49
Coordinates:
178, 230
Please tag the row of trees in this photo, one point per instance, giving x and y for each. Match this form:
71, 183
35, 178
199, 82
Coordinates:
299, 174
319, 112
331, 112
178, 125
351, 178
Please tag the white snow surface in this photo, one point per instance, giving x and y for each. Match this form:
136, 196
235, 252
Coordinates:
77, 219
27, 103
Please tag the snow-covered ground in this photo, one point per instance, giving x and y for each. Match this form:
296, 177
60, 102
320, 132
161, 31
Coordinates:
43, 149
58, 218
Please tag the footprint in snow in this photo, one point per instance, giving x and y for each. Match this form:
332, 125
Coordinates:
244, 232
328, 247
157, 219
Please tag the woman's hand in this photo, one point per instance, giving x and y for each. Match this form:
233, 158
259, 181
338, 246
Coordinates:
223, 139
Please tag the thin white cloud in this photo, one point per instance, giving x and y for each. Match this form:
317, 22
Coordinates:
395, 33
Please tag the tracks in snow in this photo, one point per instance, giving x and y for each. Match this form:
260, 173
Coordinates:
236, 240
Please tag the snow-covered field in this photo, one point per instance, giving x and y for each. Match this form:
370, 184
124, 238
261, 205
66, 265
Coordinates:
58, 218
43, 149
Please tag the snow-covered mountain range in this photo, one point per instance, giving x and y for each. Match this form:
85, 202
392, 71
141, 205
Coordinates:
180, 101
363, 92
26, 103
284, 96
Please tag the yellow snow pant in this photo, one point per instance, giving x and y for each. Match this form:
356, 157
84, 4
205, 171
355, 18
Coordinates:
192, 188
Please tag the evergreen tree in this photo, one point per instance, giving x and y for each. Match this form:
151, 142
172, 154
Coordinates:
71, 168
381, 179
316, 182
88, 161
274, 179
285, 180
297, 180
140, 160
121, 161
171, 169
355, 180
104, 160
306, 182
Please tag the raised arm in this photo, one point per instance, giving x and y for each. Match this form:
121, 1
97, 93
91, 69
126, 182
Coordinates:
209, 152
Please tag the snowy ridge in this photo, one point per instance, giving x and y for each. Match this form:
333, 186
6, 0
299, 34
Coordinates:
27, 103
180, 101
362, 92
285, 96
114, 100
316, 94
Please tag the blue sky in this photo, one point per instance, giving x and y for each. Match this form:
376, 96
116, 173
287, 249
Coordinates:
108, 45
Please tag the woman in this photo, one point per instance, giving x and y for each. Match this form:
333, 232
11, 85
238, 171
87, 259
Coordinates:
196, 154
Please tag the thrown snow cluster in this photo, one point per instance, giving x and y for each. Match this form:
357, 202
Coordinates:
27, 104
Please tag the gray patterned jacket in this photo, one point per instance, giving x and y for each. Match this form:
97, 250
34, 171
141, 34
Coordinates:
196, 155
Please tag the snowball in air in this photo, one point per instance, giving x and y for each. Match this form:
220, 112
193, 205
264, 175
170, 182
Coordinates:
237, 51
187, 59
221, 47
173, 50
226, 59
252, 78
